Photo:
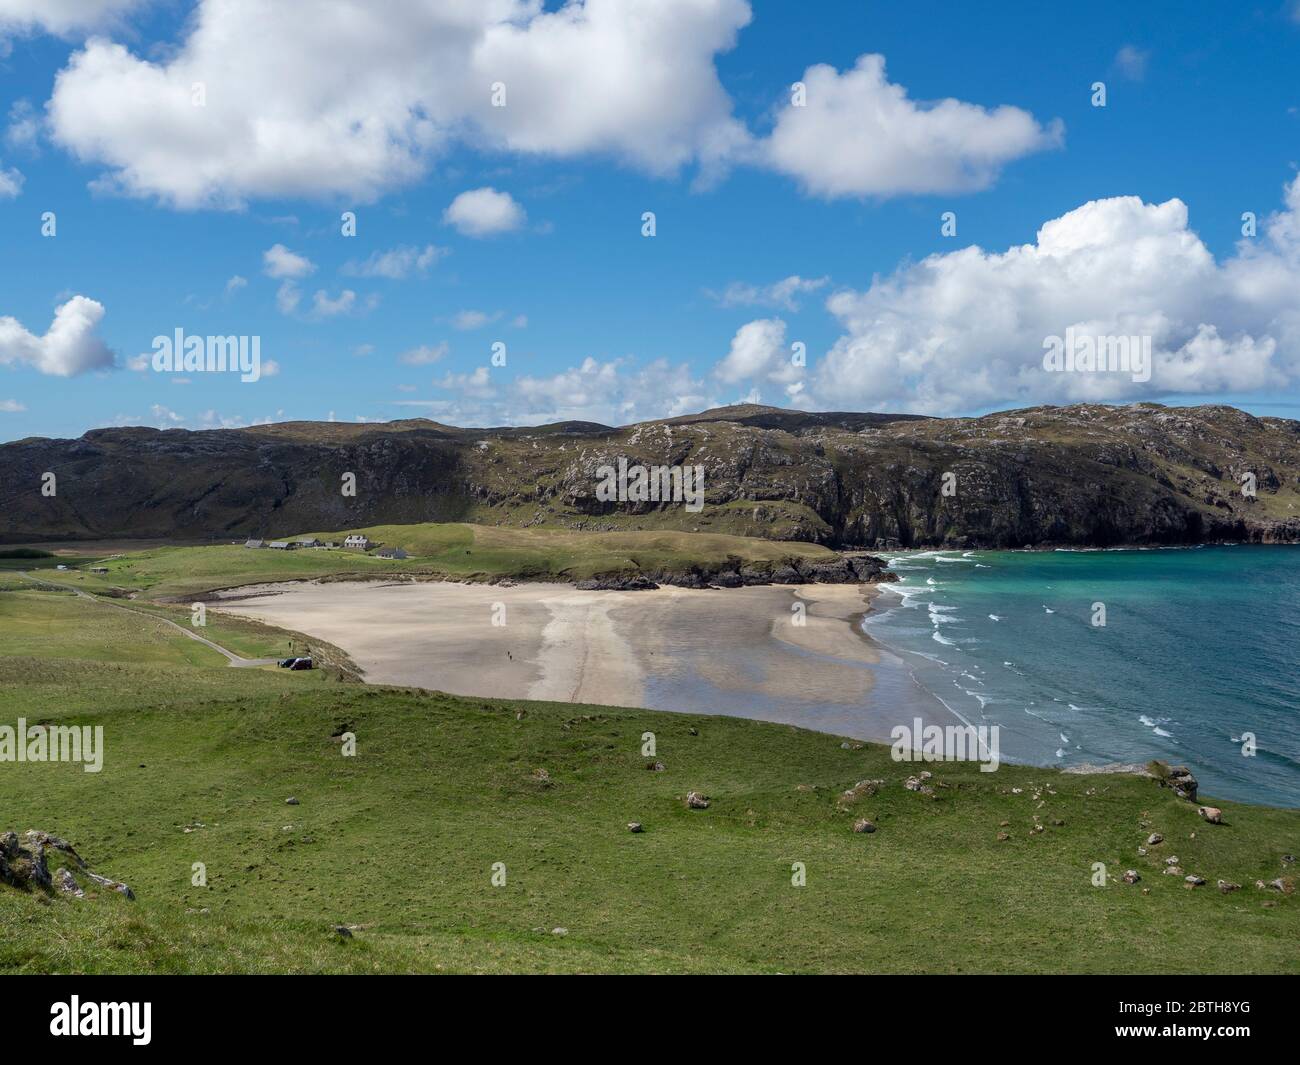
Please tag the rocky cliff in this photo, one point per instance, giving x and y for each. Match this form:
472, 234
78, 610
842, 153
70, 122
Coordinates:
1078, 475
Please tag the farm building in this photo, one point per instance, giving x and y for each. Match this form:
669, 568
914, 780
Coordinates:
391, 552
280, 545
254, 543
357, 542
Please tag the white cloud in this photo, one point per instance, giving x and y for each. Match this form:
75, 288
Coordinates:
965, 330
235, 284
325, 306
616, 392
471, 319
477, 384
784, 293
1132, 62
11, 183
287, 297
484, 212
279, 262
425, 354
292, 111
757, 351
24, 129
69, 347
11, 406
860, 135
396, 264
62, 17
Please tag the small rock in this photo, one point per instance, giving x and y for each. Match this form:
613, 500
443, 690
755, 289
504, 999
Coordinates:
693, 731
1154, 839
1173, 870
1211, 813
925, 774
863, 825
656, 767
1004, 824
291, 801
696, 801
1003, 836
1194, 880
559, 931
634, 826
343, 931
1289, 859
1173, 860
66, 883
1058, 822
1226, 886
1141, 851
1130, 876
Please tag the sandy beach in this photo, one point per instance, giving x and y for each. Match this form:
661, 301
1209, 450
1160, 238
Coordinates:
793, 654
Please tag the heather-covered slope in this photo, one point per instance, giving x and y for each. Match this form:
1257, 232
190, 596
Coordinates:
1082, 475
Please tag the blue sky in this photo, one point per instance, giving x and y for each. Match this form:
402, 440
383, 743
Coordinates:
167, 214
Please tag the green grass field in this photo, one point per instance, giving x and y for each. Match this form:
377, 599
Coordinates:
456, 551
399, 842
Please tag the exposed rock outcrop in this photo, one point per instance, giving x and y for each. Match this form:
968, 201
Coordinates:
25, 864
1086, 474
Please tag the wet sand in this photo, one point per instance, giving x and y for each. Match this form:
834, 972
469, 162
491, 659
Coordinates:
794, 654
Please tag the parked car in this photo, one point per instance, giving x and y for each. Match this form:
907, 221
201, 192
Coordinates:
301, 663
284, 663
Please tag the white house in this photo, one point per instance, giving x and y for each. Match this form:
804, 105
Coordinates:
357, 541
392, 552
280, 545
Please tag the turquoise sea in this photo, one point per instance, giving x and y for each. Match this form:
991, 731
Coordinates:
1200, 649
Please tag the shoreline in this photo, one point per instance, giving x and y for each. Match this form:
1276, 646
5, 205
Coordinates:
791, 654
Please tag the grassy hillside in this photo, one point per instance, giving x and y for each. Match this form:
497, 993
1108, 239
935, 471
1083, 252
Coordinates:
399, 842
459, 551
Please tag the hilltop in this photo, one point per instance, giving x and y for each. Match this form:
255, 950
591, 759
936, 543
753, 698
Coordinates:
1081, 475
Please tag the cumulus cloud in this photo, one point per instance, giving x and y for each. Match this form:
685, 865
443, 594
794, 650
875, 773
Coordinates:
290, 112
966, 330
24, 129
69, 347
484, 212
396, 264
11, 183
858, 134
759, 354
279, 262
783, 294
613, 392
11, 406
62, 17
